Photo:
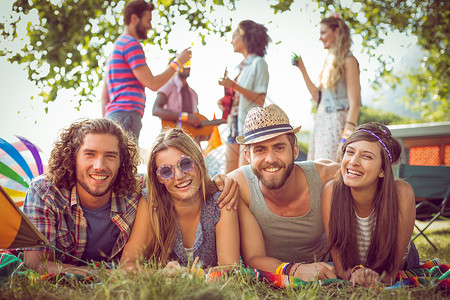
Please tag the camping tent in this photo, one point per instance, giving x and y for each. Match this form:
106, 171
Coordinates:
16, 230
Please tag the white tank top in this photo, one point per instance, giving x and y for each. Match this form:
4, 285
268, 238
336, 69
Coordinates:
364, 234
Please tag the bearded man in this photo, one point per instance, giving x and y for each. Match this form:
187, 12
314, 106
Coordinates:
280, 215
127, 73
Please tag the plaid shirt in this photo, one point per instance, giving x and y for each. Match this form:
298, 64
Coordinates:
58, 215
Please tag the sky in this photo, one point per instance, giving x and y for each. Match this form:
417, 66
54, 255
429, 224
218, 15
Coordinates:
296, 31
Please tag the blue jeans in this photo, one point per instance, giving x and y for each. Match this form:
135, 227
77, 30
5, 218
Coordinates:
130, 121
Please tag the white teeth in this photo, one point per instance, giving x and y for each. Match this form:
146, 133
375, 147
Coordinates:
354, 172
182, 185
99, 177
272, 169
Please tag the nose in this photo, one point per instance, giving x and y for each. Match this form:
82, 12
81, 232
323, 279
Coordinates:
270, 157
354, 160
178, 173
99, 163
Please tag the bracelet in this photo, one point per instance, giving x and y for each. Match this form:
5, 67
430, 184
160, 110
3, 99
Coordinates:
180, 65
295, 268
184, 116
234, 86
351, 123
280, 268
286, 268
347, 132
173, 65
199, 273
355, 268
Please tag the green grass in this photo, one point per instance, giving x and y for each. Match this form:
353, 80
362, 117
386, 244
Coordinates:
147, 285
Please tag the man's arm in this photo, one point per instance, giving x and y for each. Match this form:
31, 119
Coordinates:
327, 169
41, 261
147, 79
165, 114
104, 97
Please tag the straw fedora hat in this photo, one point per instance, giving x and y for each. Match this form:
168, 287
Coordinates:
263, 123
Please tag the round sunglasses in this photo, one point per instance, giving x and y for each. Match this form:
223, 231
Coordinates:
167, 171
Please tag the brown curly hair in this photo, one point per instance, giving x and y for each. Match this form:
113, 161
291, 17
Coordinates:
61, 164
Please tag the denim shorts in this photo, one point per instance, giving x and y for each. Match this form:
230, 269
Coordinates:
130, 120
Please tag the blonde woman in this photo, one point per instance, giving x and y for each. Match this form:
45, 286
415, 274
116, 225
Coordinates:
338, 93
180, 222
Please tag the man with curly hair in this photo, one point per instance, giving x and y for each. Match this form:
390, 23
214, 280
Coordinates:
86, 204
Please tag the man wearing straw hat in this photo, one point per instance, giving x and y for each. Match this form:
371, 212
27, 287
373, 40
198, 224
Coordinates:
280, 216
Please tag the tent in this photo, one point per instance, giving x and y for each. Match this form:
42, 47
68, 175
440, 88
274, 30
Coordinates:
16, 230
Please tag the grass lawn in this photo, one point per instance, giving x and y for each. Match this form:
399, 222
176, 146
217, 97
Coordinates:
154, 286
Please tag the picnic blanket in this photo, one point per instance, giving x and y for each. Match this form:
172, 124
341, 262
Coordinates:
430, 273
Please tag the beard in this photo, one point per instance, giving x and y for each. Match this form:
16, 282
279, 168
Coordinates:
275, 183
141, 31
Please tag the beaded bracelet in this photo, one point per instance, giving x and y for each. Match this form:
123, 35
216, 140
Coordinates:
184, 116
180, 65
355, 268
345, 135
296, 267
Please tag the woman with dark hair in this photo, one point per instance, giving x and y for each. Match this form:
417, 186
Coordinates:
338, 94
180, 222
368, 214
250, 86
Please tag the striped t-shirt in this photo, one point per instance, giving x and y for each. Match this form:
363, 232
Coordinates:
364, 230
125, 91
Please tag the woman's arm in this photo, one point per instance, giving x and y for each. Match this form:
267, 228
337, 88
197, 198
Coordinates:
227, 238
136, 247
353, 91
313, 90
406, 219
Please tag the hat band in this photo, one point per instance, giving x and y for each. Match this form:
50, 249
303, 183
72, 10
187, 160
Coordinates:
251, 135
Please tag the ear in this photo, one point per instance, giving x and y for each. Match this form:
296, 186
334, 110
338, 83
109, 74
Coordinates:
247, 153
296, 150
134, 19
381, 175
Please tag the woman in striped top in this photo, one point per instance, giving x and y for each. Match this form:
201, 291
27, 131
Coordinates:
368, 214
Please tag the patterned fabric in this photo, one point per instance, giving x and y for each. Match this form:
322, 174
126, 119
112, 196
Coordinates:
329, 123
172, 90
205, 237
125, 91
254, 77
58, 215
364, 234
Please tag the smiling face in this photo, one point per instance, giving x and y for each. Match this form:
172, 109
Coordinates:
97, 166
272, 161
361, 165
327, 36
183, 185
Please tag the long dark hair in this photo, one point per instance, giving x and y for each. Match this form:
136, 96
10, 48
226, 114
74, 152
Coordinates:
381, 255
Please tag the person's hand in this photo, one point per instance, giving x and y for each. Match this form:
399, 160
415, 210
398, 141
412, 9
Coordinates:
365, 277
299, 63
227, 82
314, 271
194, 120
230, 191
173, 268
219, 104
185, 55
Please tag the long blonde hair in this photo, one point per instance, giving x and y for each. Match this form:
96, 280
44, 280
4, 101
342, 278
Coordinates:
161, 209
333, 67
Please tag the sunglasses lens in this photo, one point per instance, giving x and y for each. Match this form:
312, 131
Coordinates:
186, 164
165, 172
